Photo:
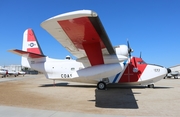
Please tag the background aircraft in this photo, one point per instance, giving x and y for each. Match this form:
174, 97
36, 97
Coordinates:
82, 34
174, 74
10, 72
3, 72
21, 73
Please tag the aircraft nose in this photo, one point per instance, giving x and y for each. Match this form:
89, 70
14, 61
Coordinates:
165, 70
155, 72
161, 69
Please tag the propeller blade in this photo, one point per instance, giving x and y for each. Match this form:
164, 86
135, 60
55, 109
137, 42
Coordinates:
129, 48
128, 43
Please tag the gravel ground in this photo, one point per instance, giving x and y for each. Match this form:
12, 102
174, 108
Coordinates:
39, 93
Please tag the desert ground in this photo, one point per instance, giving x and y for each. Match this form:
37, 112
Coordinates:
37, 92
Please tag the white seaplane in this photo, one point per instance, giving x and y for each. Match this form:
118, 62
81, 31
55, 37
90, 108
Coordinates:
82, 34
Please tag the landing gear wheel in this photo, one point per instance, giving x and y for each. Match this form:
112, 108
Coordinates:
101, 85
151, 86
175, 77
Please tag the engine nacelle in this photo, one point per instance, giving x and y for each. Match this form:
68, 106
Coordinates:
121, 50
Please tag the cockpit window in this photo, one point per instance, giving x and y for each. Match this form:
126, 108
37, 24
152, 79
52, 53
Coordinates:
141, 62
68, 57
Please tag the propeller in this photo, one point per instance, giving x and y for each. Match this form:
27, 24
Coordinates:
140, 55
130, 50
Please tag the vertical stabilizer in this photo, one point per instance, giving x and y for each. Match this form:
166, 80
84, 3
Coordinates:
30, 43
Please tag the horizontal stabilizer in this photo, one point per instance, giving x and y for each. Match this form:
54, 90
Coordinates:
26, 54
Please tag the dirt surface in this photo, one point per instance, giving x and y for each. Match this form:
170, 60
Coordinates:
39, 93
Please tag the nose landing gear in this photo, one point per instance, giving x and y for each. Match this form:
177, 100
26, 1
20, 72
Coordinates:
150, 86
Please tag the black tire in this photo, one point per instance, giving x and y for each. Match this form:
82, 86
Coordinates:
151, 86
101, 85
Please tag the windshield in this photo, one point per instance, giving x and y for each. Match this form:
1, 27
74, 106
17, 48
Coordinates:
141, 62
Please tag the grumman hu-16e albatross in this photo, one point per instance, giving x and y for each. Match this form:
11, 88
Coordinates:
83, 35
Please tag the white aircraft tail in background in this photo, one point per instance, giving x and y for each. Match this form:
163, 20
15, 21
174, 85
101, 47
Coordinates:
82, 34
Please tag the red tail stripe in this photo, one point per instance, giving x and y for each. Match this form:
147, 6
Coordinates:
30, 35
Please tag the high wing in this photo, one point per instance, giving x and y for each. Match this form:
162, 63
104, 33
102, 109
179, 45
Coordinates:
81, 33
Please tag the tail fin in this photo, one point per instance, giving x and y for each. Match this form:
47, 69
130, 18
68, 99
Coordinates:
30, 48
30, 43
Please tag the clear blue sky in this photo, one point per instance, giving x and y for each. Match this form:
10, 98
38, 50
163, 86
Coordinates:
152, 26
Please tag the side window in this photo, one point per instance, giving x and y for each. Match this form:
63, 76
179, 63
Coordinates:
138, 62
72, 69
68, 58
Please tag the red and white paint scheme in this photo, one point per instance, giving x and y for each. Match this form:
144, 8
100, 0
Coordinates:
83, 35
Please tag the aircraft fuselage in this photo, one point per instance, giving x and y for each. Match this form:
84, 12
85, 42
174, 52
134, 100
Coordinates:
132, 71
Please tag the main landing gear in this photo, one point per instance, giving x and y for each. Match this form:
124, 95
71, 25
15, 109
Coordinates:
101, 85
150, 86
